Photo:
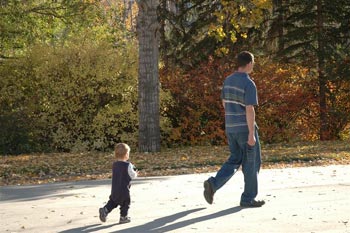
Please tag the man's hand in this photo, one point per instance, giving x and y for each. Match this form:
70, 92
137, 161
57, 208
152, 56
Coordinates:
251, 124
251, 140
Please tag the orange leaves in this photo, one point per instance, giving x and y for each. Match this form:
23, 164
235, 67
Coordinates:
288, 106
197, 115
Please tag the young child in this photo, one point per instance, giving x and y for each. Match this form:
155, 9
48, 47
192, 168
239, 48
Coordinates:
122, 173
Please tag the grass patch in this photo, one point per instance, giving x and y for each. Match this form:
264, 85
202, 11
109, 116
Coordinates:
45, 168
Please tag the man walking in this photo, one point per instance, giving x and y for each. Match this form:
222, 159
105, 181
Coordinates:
239, 96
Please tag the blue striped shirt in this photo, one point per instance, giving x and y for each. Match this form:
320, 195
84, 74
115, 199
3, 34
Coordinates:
238, 91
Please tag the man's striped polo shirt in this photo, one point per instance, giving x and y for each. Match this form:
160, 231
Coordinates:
238, 91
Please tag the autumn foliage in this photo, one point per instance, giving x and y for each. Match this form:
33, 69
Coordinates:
74, 99
195, 112
287, 102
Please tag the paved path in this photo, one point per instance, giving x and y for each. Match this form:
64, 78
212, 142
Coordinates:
314, 199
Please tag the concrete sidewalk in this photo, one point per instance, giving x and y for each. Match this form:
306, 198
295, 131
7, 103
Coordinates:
314, 199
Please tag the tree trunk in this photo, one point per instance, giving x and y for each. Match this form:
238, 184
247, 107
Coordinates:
148, 86
163, 7
280, 20
324, 132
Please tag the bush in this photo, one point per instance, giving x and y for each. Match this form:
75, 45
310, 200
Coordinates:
287, 102
81, 97
195, 111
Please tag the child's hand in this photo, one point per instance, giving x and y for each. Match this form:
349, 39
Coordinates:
136, 170
133, 172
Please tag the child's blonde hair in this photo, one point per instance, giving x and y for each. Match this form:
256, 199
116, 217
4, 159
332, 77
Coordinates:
120, 150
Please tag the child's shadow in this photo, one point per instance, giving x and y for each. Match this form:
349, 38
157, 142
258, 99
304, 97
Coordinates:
158, 225
148, 227
160, 222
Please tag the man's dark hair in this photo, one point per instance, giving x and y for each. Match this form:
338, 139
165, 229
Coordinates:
244, 58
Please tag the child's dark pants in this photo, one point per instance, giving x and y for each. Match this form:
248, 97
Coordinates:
124, 206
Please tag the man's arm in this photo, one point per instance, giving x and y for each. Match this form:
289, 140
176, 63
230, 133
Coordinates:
250, 115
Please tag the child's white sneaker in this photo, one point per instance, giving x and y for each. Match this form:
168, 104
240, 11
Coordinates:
125, 219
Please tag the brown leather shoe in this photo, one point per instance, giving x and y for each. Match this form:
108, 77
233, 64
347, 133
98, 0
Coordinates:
208, 192
253, 203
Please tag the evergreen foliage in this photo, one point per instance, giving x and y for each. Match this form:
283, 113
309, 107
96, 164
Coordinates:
315, 34
194, 30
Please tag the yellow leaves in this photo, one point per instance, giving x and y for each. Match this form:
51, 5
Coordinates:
221, 17
233, 37
263, 4
184, 158
241, 17
70, 85
217, 32
220, 32
89, 1
221, 52
244, 35
242, 8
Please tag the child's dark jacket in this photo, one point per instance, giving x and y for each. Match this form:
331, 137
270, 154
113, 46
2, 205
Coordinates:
121, 181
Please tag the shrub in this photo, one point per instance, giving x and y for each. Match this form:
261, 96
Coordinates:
79, 97
288, 105
195, 111
287, 102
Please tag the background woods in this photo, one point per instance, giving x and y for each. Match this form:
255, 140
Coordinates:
71, 80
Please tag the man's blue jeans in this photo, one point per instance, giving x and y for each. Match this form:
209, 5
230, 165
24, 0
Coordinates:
245, 155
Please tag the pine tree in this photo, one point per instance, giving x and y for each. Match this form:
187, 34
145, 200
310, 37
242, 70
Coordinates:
315, 33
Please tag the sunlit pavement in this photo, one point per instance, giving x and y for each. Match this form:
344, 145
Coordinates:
312, 199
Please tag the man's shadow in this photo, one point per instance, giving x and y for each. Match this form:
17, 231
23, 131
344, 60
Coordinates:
158, 225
